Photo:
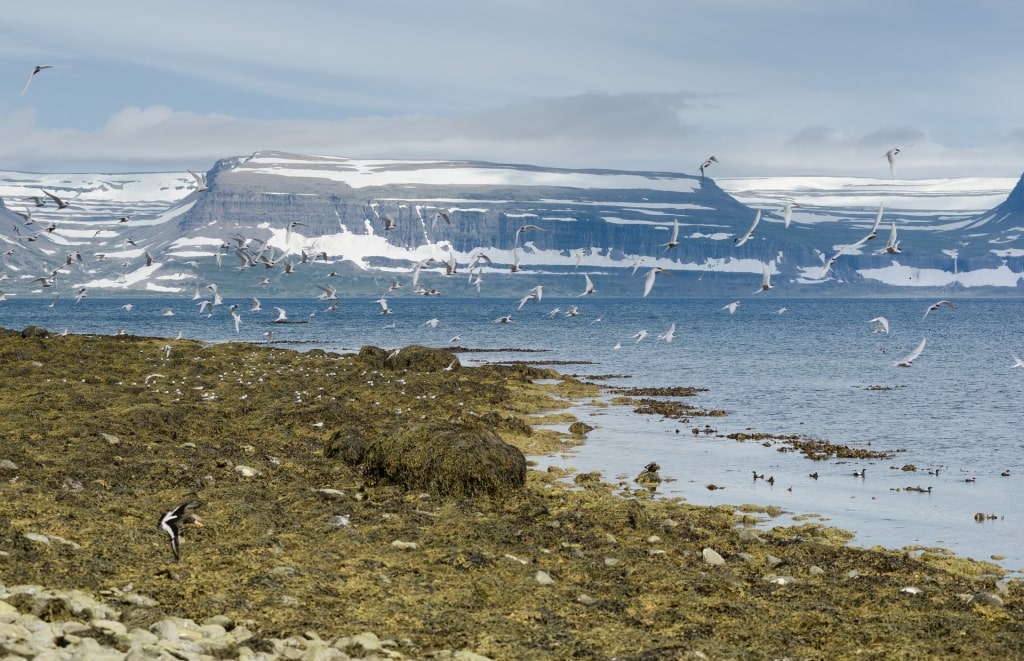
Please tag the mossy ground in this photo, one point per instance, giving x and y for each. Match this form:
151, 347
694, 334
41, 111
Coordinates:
110, 432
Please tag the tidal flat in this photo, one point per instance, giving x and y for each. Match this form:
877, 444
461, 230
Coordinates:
323, 511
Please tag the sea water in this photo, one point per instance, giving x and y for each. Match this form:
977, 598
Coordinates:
814, 369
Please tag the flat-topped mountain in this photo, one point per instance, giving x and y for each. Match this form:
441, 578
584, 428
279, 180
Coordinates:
286, 224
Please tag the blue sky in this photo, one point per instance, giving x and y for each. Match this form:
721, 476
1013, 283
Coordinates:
801, 87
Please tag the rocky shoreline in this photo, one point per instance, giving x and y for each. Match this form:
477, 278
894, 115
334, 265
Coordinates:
323, 521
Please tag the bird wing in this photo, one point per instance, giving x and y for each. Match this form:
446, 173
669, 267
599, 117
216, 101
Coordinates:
649, 281
878, 220
750, 232
912, 356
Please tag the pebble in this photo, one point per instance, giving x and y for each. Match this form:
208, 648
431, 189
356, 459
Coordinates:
712, 557
404, 546
97, 633
246, 471
543, 577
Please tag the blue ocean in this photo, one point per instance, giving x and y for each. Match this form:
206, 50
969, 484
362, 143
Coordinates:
811, 367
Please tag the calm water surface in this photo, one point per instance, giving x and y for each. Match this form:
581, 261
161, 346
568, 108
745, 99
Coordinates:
815, 370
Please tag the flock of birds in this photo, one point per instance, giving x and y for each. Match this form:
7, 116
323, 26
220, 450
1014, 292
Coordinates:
256, 254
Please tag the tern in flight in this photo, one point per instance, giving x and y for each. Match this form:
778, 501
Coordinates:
891, 156
879, 325
874, 228
674, 241
912, 356
740, 240
787, 213
1017, 362
731, 307
589, 288
200, 180
651, 275
935, 306
523, 228
766, 280
32, 75
670, 334
61, 204
892, 246
706, 164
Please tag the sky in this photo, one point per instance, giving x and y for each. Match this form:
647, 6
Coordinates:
769, 87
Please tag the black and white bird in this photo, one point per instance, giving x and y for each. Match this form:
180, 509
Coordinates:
766, 279
912, 356
674, 241
706, 164
891, 156
746, 236
651, 275
200, 180
32, 75
171, 522
61, 204
938, 304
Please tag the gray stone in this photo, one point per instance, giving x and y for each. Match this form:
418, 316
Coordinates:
112, 627
712, 557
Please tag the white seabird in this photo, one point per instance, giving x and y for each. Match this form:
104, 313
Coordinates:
879, 325
935, 306
912, 356
651, 275
750, 232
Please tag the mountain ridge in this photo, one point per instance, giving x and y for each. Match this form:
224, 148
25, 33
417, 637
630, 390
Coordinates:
323, 218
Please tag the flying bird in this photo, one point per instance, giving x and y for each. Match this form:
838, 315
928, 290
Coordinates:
892, 246
282, 316
731, 307
766, 280
935, 306
674, 241
912, 356
589, 288
32, 75
61, 204
651, 275
740, 240
787, 213
1017, 362
706, 164
879, 325
200, 180
891, 156
535, 294
874, 228
670, 334
523, 228
171, 521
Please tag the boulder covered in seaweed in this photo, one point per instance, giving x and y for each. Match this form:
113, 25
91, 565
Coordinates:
443, 459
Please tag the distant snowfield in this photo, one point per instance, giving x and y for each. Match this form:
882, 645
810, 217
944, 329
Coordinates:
964, 195
359, 173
